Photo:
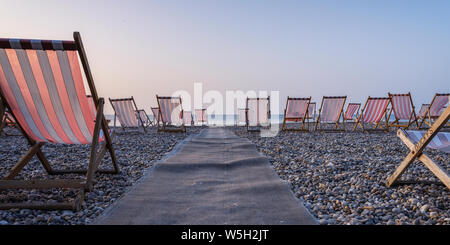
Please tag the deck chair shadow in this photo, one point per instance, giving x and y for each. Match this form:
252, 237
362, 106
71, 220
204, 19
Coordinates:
417, 141
372, 113
435, 109
126, 111
42, 86
258, 114
170, 114
330, 113
403, 108
296, 112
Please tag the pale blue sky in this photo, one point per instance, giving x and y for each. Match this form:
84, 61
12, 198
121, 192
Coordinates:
301, 48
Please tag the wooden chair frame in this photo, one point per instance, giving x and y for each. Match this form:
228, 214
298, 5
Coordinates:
258, 127
377, 124
427, 114
416, 152
136, 111
318, 123
95, 158
412, 118
304, 120
164, 125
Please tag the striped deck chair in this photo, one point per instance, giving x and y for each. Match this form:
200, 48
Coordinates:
126, 111
435, 109
241, 118
403, 108
423, 111
170, 114
352, 112
311, 111
258, 113
330, 111
296, 111
155, 111
144, 118
201, 117
372, 113
42, 85
416, 141
187, 118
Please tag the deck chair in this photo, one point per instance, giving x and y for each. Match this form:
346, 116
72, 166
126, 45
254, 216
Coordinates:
352, 112
241, 118
201, 117
435, 109
423, 111
144, 118
126, 111
403, 108
330, 112
42, 85
258, 113
416, 141
187, 118
311, 111
296, 111
372, 113
155, 111
170, 114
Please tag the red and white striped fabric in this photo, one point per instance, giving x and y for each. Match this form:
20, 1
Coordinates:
402, 106
258, 111
92, 105
439, 102
311, 110
155, 111
241, 116
144, 118
296, 108
171, 110
352, 110
125, 112
332, 108
42, 83
375, 109
200, 115
441, 141
187, 117
423, 110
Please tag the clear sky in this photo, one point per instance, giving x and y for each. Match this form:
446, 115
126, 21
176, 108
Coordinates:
300, 48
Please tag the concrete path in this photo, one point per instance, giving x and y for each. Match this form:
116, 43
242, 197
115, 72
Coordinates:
215, 178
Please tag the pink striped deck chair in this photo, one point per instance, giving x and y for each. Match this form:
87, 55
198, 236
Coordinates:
258, 113
170, 114
423, 111
330, 111
187, 118
146, 122
296, 111
435, 109
241, 118
201, 116
403, 108
352, 111
126, 111
311, 111
42, 85
155, 111
417, 141
372, 113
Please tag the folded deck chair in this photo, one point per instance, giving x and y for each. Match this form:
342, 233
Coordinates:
403, 108
296, 111
155, 111
144, 118
241, 118
258, 113
126, 111
201, 117
372, 113
42, 85
416, 141
311, 111
435, 109
170, 114
330, 111
351, 112
187, 118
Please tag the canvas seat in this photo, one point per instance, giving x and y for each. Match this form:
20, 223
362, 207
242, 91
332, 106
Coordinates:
403, 108
352, 112
372, 113
41, 84
330, 112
